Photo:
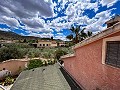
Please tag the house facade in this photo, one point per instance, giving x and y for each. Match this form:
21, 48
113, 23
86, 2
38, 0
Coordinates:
95, 65
7, 41
48, 43
62, 44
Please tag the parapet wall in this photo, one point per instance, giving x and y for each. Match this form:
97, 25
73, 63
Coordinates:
14, 65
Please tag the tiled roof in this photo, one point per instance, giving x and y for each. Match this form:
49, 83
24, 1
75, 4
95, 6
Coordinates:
43, 78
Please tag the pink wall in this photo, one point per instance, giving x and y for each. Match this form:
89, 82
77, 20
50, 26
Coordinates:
87, 68
13, 66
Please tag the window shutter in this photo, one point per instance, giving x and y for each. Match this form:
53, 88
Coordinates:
113, 53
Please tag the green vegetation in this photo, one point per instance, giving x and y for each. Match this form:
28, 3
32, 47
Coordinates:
59, 53
21, 50
34, 63
33, 52
8, 81
78, 34
18, 45
10, 53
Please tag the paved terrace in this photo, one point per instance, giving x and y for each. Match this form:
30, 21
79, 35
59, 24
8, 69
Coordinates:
43, 78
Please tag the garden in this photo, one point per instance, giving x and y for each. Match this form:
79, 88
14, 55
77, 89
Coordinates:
46, 56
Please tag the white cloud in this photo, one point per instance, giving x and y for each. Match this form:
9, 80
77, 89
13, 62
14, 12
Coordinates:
60, 36
108, 2
5, 29
12, 22
27, 12
26, 8
96, 24
33, 22
42, 35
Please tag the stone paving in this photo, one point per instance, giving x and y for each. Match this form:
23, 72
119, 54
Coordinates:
43, 78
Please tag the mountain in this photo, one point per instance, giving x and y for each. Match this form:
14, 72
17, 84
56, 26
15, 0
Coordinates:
13, 36
5, 35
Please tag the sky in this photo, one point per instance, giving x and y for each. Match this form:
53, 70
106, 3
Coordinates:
54, 18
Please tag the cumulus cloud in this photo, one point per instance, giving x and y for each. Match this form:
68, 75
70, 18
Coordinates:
12, 22
42, 35
26, 8
28, 12
5, 29
33, 23
96, 24
108, 2
60, 36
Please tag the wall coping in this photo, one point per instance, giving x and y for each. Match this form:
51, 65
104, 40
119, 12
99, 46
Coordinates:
23, 59
15, 60
111, 30
67, 55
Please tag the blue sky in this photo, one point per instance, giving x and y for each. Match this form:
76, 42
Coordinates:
47, 18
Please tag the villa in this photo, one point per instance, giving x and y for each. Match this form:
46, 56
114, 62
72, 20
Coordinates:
48, 43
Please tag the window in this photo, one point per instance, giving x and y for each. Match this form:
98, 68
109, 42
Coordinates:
43, 44
46, 44
113, 53
40, 44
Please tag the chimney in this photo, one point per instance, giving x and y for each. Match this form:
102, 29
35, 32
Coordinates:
113, 21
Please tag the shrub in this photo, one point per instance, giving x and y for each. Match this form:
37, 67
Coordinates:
18, 45
8, 80
51, 62
35, 63
34, 52
10, 53
59, 53
45, 63
46, 55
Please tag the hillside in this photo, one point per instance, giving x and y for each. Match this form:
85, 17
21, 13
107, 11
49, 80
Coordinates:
4, 35
13, 36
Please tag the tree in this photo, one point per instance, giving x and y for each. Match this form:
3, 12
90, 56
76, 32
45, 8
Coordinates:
78, 34
24, 41
7, 53
51, 38
59, 53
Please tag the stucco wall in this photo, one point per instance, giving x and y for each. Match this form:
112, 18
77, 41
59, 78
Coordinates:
49, 44
87, 68
13, 65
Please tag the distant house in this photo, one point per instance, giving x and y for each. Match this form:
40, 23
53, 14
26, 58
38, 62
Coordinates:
61, 44
95, 65
48, 43
7, 41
